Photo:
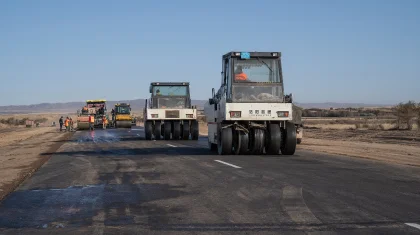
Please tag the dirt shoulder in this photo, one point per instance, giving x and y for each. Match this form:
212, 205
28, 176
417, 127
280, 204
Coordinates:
400, 147
20, 154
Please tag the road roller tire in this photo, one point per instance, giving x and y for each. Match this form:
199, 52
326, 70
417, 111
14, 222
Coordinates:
186, 131
176, 127
240, 143
148, 130
288, 146
167, 129
157, 130
273, 139
224, 141
194, 130
257, 141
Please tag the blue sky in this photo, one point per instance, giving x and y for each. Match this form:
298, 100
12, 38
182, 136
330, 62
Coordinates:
333, 51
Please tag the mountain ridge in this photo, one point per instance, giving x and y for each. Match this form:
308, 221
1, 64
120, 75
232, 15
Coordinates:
138, 104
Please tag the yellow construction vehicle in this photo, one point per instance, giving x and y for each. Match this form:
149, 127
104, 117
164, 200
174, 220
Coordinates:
96, 108
121, 116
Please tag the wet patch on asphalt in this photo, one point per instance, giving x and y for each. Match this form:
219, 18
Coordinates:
76, 206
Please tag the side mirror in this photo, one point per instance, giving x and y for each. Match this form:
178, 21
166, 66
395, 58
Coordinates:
212, 92
211, 101
289, 98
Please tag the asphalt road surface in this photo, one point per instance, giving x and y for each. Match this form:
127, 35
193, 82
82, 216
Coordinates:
115, 182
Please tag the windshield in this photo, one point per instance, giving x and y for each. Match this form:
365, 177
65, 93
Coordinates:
164, 103
123, 109
256, 70
170, 90
246, 93
95, 105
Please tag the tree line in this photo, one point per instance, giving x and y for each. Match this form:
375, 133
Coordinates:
406, 114
343, 112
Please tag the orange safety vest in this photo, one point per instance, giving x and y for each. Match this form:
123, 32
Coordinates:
91, 119
241, 76
66, 123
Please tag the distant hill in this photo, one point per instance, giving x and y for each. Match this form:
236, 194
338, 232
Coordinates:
138, 105
328, 105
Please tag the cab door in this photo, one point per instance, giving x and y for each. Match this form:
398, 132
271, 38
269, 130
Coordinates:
227, 79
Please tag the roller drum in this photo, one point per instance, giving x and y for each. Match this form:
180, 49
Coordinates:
123, 124
83, 126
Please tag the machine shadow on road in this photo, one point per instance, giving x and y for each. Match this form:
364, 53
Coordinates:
140, 152
121, 196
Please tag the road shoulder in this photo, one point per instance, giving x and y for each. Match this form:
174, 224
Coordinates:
391, 153
21, 158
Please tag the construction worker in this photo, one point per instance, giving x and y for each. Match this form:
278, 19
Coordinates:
67, 123
61, 121
71, 124
85, 109
113, 115
240, 75
91, 122
104, 121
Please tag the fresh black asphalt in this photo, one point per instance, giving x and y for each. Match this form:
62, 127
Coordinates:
115, 182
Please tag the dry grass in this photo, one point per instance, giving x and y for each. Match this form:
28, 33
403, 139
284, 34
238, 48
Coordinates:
351, 123
333, 126
45, 119
392, 153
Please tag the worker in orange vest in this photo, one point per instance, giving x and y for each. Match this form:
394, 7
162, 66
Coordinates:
67, 123
91, 122
240, 75
104, 122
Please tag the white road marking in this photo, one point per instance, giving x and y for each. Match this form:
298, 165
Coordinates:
413, 225
171, 145
228, 164
138, 134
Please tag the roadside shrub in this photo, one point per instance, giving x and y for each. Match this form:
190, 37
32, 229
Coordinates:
23, 121
10, 121
405, 113
41, 120
418, 116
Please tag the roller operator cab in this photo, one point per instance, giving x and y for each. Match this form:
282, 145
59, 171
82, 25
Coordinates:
121, 116
169, 113
250, 114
